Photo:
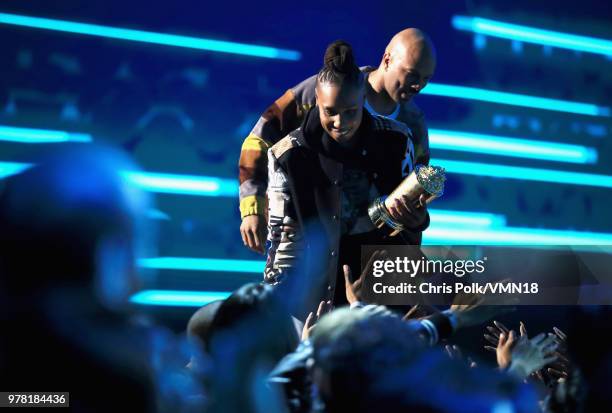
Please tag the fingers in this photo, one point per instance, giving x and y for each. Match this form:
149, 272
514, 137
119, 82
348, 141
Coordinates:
549, 345
347, 275
320, 309
308, 325
494, 331
548, 360
402, 212
412, 313
312, 319
490, 348
523, 329
560, 334
309, 320
562, 357
454, 352
491, 339
419, 311
557, 373
448, 350
250, 237
511, 337
502, 327
457, 352
324, 308
259, 244
244, 239
422, 200
502, 340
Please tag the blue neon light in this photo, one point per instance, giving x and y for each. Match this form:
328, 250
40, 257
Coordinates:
158, 182
525, 174
150, 37
203, 264
207, 186
514, 99
28, 135
183, 184
520, 148
177, 298
444, 218
532, 35
512, 236
12, 168
157, 215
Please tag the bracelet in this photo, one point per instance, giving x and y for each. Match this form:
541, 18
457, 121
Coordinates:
380, 216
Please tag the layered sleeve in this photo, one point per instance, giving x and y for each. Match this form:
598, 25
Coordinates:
280, 118
253, 159
284, 234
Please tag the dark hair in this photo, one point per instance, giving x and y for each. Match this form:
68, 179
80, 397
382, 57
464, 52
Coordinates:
339, 65
254, 311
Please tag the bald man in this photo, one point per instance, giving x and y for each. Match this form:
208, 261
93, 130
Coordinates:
407, 64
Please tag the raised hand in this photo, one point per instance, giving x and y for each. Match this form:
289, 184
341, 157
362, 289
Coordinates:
561, 368
353, 288
420, 311
455, 353
530, 355
312, 319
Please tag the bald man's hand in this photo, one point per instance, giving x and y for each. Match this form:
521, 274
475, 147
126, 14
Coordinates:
253, 231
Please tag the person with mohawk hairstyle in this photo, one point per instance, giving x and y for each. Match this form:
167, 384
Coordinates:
406, 66
327, 172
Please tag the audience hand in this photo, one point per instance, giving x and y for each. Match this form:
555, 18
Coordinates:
530, 355
312, 319
353, 288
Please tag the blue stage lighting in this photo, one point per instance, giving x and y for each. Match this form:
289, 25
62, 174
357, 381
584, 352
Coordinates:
12, 168
150, 37
183, 184
514, 99
28, 135
524, 173
209, 186
177, 298
203, 264
528, 34
520, 148
444, 218
158, 182
513, 236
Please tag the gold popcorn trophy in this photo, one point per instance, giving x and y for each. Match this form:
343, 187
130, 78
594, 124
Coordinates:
424, 184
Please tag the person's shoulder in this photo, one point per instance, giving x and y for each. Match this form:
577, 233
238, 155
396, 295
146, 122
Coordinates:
291, 141
385, 125
304, 92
